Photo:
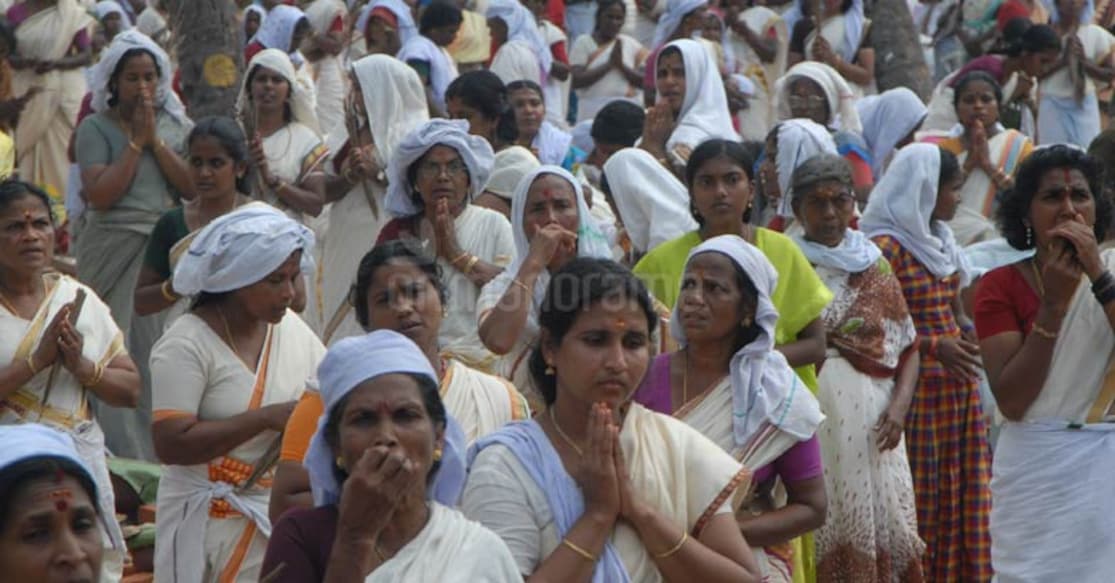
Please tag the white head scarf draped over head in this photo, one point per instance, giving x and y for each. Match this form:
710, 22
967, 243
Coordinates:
349, 363
704, 111
671, 19
32, 440
902, 206
300, 99
511, 165
277, 29
1086, 13
887, 118
474, 151
798, 141
652, 203
841, 100
407, 28
394, 98
240, 249
244, 20
129, 40
522, 26
106, 7
764, 387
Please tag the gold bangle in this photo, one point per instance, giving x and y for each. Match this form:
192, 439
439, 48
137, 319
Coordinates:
135, 146
525, 287
458, 258
1036, 329
677, 547
470, 265
576, 549
168, 293
31, 364
98, 374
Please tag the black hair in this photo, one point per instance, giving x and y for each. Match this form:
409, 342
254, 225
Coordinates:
669, 50
7, 35
113, 96
45, 467
709, 150
950, 167
380, 255
485, 92
1040, 38
807, 10
412, 176
1011, 41
620, 122
288, 113
603, 5
576, 287
438, 14
206, 298
231, 137
13, 189
431, 399
1102, 149
524, 84
1014, 207
974, 77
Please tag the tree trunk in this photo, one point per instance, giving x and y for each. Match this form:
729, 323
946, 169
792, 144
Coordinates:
899, 61
210, 56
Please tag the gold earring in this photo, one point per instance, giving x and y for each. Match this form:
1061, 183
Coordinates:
549, 371
340, 462
437, 454
746, 323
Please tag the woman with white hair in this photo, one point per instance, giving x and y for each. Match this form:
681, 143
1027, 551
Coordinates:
227, 376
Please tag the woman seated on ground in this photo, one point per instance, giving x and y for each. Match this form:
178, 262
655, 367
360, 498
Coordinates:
554, 147
725, 321
598, 486
398, 287
386, 467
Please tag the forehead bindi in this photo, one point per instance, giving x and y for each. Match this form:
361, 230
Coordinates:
1062, 179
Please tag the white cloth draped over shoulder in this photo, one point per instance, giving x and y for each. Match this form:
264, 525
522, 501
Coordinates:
704, 111
330, 83
652, 203
441, 66
525, 43
887, 119
799, 140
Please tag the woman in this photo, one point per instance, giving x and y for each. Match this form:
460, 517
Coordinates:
49, 522
890, 120
651, 500
988, 152
946, 440
651, 204
676, 20
387, 25
1068, 112
865, 388
607, 65
227, 375
1040, 334
759, 42
277, 113
52, 48
131, 169
435, 173
511, 165
520, 50
692, 105
552, 225
554, 147
842, 43
427, 53
383, 440
399, 288
789, 145
719, 180
724, 322
480, 98
328, 18
284, 29
61, 343
218, 159
386, 87
250, 20
112, 17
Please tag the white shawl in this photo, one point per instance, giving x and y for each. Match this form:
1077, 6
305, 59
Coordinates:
798, 141
670, 20
521, 26
652, 203
301, 97
442, 68
888, 118
407, 28
704, 112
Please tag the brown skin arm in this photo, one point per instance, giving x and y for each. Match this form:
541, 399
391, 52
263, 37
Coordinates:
174, 169
119, 386
149, 297
720, 553
291, 489
804, 512
809, 348
186, 440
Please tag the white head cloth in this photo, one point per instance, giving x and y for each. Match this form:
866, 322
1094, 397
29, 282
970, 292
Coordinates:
277, 29
128, 40
1086, 13
322, 13
704, 112
346, 365
841, 100
394, 98
240, 249
522, 26
256, 8
798, 140
106, 7
764, 387
474, 151
32, 440
300, 99
511, 165
902, 206
671, 19
652, 203
887, 118
407, 28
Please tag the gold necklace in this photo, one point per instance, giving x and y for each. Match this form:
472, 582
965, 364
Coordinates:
563, 435
1037, 277
228, 332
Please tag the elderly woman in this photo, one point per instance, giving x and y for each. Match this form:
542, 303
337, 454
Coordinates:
551, 226
607, 65
50, 522
692, 107
129, 153
946, 440
387, 25
61, 344
730, 383
842, 42
427, 53
435, 173
386, 467
227, 375
890, 120
989, 153
789, 145
598, 486
387, 103
651, 204
865, 388
1045, 340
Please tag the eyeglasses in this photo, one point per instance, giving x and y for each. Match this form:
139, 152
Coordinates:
800, 101
453, 169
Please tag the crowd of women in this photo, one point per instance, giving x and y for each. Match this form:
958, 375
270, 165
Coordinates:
577, 291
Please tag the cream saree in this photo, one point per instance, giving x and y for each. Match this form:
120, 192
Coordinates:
760, 117
613, 85
50, 118
330, 81
481, 403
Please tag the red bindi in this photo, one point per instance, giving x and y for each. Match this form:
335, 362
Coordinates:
61, 498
